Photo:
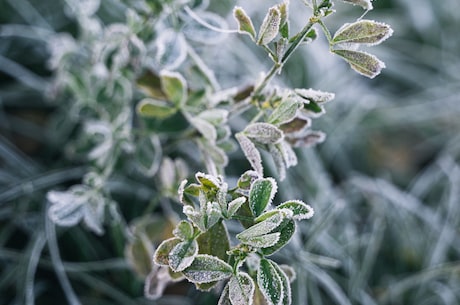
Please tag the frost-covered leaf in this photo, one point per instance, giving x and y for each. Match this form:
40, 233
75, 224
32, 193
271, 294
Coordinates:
241, 289
264, 133
261, 195
214, 116
296, 127
215, 242
269, 282
316, 96
212, 214
289, 271
234, 205
206, 268
251, 153
139, 252
288, 153
93, 215
264, 227
161, 256
174, 86
285, 112
311, 138
67, 208
284, 21
261, 241
156, 282
270, 26
152, 108
195, 216
208, 181
246, 179
362, 62
183, 230
169, 50
278, 159
286, 230
245, 25
182, 255
148, 155
365, 4
287, 294
300, 209
363, 31
225, 297
205, 128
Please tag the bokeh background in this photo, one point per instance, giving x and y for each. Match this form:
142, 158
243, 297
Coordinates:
385, 185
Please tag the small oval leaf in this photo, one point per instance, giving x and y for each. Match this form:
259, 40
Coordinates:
265, 226
363, 31
270, 282
206, 269
299, 209
183, 230
264, 133
241, 289
270, 26
161, 256
362, 62
152, 108
251, 153
245, 25
182, 255
174, 87
261, 195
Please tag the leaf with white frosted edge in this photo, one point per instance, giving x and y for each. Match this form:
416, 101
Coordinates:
316, 96
311, 138
241, 289
206, 268
270, 26
245, 25
215, 242
195, 217
93, 215
156, 282
67, 209
297, 127
169, 50
278, 160
225, 297
289, 156
264, 133
286, 230
362, 62
284, 21
213, 214
261, 241
181, 190
214, 116
234, 205
365, 4
183, 230
182, 255
299, 209
208, 181
287, 293
285, 112
205, 128
174, 87
270, 283
265, 226
363, 31
151, 108
261, 195
251, 153
161, 256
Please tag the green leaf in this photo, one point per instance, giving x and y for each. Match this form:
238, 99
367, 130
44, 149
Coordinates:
234, 205
285, 112
151, 108
241, 289
286, 230
215, 242
208, 130
365, 4
174, 87
183, 230
317, 96
363, 31
363, 63
269, 282
287, 294
284, 22
148, 155
138, 253
261, 195
212, 214
264, 227
161, 256
278, 159
206, 269
299, 209
310, 138
214, 116
251, 152
270, 26
245, 25
182, 255
225, 297
264, 133
208, 181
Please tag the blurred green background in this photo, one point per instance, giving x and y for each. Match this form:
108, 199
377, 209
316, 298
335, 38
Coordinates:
385, 185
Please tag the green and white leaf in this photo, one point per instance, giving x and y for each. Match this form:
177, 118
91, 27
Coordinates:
270, 283
245, 25
264, 133
241, 289
270, 26
264, 227
183, 230
208, 181
287, 293
261, 241
161, 256
174, 86
194, 216
261, 195
225, 297
362, 62
151, 108
208, 130
363, 31
365, 4
206, 268
285, 112
251, 152
286, 230
316, 96
299, 209
182, 255
234, 205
